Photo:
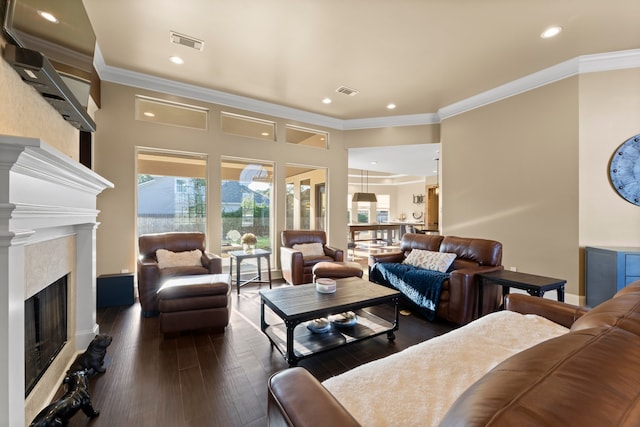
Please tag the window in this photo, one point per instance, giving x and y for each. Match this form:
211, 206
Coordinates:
382, 208
171, 192
306, 197
236, 124
246, 191
309, 137
170, 113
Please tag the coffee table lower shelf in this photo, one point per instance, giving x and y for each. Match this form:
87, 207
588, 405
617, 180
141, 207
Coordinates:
307, 343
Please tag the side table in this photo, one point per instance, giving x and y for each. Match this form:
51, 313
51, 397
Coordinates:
258, 254
534, 285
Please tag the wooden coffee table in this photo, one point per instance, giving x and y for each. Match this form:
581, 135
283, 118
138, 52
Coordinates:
296, 305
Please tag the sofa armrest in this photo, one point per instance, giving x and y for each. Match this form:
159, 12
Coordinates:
296, 398
335, 253
558, 312
212, 262
292, 265
463, 294
148, 284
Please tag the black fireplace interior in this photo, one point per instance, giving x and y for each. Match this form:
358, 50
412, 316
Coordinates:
45, 330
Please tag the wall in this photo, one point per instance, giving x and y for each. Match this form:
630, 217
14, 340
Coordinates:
510, 173
119, 134
24, 112
609, 112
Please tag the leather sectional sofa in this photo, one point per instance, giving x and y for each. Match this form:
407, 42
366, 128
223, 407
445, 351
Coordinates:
587, 375
458, 302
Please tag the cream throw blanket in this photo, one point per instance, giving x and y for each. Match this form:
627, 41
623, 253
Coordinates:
416, 386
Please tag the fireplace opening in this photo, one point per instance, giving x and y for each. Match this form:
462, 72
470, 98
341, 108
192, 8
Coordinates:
45, 330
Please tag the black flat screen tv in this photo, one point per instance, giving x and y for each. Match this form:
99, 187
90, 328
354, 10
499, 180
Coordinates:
67, 44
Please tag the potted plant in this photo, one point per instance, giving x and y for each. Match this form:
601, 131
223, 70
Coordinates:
248, 241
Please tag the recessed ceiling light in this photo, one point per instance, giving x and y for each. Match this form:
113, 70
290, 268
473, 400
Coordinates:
48, 16
149, 114
326, 101
265, 134
176, 60
391, 106
374, 162
551, 32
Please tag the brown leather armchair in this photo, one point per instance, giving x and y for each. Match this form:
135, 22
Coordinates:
297, 268
151, 276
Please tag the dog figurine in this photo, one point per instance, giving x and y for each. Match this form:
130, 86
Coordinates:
92, 360
77, 397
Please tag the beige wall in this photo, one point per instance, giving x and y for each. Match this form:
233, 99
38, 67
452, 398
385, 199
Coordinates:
119, 134
510, 173
609, 115
532, 172
23, 112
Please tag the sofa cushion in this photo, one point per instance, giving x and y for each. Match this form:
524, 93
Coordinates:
429, 260
622, 311
309, 249
584, 378
169, 259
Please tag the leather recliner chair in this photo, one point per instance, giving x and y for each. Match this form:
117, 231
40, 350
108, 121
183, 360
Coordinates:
297, 268
151, 276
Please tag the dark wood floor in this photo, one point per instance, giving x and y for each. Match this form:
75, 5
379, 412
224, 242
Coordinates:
209, 379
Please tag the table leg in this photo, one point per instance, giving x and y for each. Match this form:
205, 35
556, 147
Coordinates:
535, 292
560, 291
239, 261
291, 356
480, 297
259, 261
263, 323
269, 269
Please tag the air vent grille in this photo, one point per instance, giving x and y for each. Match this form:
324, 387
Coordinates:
347, 91
187, 41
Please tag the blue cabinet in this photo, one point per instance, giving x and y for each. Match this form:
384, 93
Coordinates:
609, 269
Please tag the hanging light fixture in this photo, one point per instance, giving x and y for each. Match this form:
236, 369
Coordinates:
364, 196
262, 176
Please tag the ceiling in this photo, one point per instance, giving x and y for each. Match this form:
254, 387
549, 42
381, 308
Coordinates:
422, 55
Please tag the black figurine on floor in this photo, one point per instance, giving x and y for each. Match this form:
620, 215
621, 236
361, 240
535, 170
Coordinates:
92, 359
77, 397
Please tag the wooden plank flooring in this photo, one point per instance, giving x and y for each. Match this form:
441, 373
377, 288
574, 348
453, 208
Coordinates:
211, 379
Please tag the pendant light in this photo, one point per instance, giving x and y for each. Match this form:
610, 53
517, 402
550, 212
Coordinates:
364, 196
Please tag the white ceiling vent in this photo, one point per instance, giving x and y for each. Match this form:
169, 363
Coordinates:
346, 91
187, 41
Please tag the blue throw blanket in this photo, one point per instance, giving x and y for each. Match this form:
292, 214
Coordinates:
421, 286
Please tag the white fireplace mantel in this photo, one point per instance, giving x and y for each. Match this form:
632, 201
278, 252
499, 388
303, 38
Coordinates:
44, 195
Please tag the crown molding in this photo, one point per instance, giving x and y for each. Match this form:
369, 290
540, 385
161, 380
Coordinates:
379, 122
582, 64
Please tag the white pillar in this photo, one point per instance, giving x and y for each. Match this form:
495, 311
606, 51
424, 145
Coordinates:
86, 326
12, 329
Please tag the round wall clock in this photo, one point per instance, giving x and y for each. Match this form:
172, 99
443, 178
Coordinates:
624, 170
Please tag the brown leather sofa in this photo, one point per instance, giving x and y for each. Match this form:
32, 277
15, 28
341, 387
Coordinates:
586, 377
458, 301
151, 276
296, 268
